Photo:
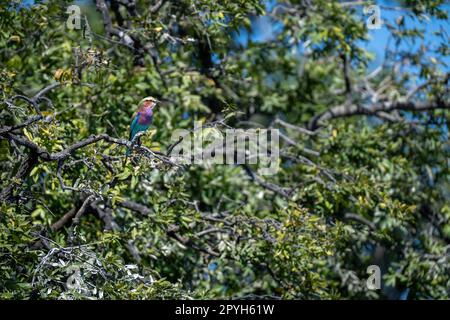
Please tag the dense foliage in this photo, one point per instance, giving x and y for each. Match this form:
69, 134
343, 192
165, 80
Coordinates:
363, 174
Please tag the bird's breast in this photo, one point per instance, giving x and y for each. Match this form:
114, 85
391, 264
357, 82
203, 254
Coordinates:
145, 117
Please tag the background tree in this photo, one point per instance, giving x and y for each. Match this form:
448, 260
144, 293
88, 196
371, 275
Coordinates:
364, 171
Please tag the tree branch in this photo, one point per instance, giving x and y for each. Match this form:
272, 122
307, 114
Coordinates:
348, 110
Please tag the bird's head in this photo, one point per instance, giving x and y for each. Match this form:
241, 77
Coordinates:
148, 102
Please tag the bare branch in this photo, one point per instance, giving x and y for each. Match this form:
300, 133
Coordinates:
294, 127
137, 207
267, 185
348, 110
360, 219
63, 220
24, 124
155, 8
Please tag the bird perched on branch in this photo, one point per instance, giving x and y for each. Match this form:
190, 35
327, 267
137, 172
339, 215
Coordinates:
142, 119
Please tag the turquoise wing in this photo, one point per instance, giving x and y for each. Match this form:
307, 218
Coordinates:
139, 127
136, 126
133, 126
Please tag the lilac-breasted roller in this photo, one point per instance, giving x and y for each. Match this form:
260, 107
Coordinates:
142, 118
